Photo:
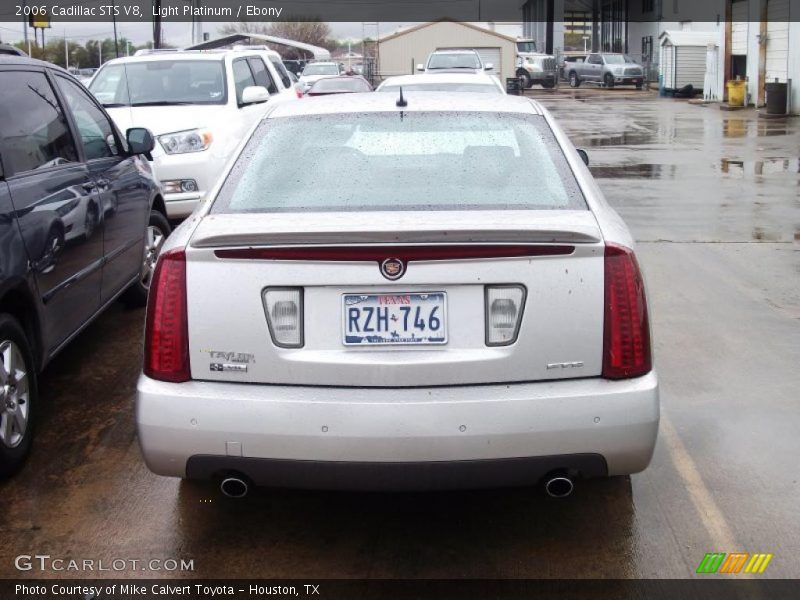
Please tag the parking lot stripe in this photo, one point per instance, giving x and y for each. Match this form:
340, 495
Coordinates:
708, 510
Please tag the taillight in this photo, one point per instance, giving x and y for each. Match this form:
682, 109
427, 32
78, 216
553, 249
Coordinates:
504, 307
626, 331
166, 339
284, 308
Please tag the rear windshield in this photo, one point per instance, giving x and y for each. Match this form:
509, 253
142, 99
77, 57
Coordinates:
400, 161
617, 59
159, 83
338, 84
321, 70
454, 61
475, 88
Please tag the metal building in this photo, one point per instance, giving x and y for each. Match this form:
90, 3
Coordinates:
400, 52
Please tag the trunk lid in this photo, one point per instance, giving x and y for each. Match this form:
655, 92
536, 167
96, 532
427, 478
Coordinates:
561, 329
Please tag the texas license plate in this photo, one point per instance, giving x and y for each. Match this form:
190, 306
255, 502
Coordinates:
384, 319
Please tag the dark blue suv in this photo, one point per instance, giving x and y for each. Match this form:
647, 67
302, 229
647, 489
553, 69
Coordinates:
81, 223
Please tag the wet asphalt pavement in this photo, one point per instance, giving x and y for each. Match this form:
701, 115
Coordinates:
714, 200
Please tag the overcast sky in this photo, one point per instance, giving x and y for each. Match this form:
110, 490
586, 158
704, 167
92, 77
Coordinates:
177, 34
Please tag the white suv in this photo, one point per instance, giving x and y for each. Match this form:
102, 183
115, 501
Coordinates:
198, 104
315, 71
455, 60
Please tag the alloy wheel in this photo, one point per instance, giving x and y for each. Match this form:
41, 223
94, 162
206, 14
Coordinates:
154, 239
14, 395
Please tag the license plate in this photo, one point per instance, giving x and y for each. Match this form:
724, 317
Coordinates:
385, 319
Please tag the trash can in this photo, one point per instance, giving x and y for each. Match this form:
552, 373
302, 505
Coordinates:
513, 86
776, 98
736, 90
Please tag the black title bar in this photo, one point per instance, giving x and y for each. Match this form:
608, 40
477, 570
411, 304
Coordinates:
60, 11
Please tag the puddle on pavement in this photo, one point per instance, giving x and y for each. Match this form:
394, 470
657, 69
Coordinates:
734, 128
638, 171
632, 138
767, 166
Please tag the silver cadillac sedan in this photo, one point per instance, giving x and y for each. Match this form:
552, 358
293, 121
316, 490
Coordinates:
372, 301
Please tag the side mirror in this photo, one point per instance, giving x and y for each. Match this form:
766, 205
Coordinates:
253, 94
140, 141
488, 66
584, 156
420, 67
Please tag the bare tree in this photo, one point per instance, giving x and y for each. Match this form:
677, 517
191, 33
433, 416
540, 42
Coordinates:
309, 31
244, 27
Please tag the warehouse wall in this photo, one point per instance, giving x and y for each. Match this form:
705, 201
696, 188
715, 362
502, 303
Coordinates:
397, 54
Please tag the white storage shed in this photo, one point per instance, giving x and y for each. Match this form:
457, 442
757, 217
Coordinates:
683, 58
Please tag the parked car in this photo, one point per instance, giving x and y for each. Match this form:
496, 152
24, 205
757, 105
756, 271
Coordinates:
199, 105
479, 83
273, 58
567, 64
85, 75
373, 301
315, 71
82, 220
608, 69
12, 50
345, 84
458, 60
294, 66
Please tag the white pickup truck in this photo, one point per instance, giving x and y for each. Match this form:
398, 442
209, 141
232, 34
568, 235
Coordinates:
608, 69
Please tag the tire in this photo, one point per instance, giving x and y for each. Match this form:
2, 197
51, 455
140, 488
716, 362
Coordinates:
18, 396
639, 86
608, 80
158, 229
574, 81
548, 84
524, 80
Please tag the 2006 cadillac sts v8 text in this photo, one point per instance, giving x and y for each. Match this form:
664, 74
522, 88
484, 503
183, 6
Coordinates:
371, 301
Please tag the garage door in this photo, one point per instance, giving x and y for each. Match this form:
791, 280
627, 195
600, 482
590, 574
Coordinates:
491, 55
777, 40
739, 28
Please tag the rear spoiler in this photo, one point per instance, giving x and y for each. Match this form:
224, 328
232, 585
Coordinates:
276, 229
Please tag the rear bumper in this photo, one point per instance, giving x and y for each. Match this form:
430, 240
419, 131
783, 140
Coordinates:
406, 476
366, 438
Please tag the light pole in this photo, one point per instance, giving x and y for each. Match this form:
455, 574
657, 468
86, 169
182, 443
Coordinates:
114, 19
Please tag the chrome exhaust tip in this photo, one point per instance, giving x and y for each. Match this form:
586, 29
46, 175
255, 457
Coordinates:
233, 487
559, 487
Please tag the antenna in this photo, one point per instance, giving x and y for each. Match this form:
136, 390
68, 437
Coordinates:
401, 102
